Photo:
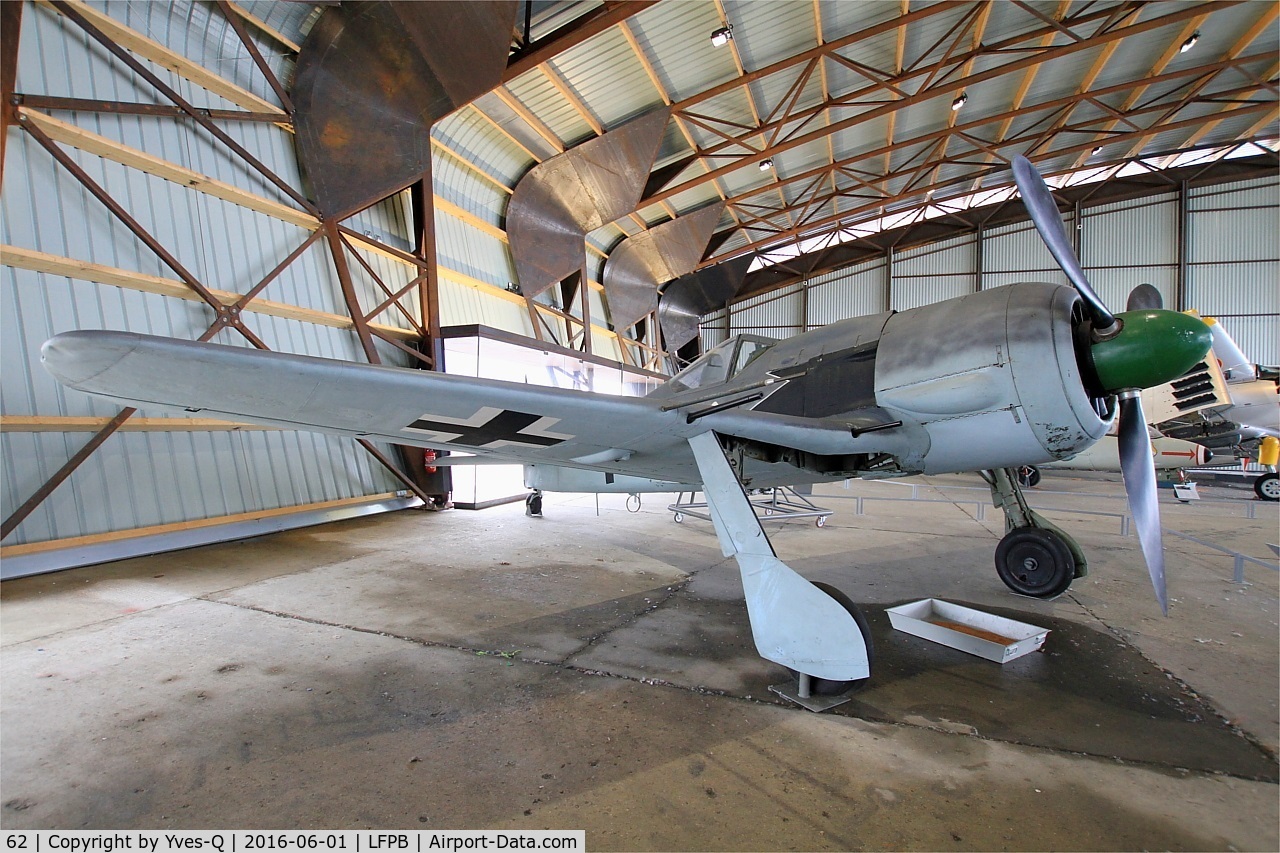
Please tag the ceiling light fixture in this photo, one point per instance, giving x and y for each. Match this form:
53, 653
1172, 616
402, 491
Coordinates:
721, 37
959, 102
1190, 43
1098, 150
766, 165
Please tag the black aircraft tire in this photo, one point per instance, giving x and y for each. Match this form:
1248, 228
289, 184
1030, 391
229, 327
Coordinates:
1036, 562
831, 686
1267, 487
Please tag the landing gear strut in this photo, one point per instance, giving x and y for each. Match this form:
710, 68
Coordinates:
1035, 557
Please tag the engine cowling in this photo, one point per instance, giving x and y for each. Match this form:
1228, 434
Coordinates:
995, 378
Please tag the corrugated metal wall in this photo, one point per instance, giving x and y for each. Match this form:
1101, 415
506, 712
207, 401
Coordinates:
1234, 263
1015, 253
146, 479
930, 273
1232, 258
850, 292
777, 315
52, 227
1129, 243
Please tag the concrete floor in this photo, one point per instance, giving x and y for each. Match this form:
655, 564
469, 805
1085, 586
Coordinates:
488, 670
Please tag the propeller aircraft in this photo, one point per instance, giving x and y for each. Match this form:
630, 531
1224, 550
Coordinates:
1018, 375
1167, 454
1226, 402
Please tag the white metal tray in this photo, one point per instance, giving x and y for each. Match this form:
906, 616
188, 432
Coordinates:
982, 634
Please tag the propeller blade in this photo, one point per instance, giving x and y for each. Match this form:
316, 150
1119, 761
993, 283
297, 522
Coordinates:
1139, 474
1144, 297
1048, 222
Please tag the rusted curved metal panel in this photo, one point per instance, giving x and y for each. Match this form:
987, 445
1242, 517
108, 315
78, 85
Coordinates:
373, 76
558, 201
644, 262
689, 297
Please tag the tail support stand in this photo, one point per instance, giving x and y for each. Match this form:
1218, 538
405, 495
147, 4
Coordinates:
793, 622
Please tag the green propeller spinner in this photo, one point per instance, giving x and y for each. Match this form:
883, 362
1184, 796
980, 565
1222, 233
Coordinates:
1153, 346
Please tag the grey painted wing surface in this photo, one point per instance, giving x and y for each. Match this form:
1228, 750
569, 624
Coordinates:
521, 422
515, 421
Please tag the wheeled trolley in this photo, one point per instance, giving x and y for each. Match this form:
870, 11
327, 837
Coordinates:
782, 503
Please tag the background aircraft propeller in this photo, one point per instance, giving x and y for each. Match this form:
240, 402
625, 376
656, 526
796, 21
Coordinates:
1142, 297
1140, 348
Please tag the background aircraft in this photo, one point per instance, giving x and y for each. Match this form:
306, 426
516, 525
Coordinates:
1167, 454
1227, 403
1017, 375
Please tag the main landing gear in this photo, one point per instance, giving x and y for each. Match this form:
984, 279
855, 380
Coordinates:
1035, 558
812, 629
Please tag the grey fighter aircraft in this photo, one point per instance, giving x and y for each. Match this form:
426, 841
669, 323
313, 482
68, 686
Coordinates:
1017, 375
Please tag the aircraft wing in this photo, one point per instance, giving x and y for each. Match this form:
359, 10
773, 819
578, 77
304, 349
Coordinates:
513, 421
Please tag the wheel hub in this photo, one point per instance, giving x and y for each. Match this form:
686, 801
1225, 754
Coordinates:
1034, 561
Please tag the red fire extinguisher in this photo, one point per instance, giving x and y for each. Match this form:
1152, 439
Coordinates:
428, 459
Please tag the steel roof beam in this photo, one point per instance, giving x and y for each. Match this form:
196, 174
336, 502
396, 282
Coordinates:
566, 38
881, 81
941, 89
833, 222
1007, 117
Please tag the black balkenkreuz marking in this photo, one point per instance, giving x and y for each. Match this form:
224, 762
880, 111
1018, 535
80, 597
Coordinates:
503, 427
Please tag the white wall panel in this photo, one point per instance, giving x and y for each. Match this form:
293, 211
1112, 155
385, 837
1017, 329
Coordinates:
1018, 249
1139, 231
850, 292
1236, 195
1242, 288
914, 291
1115, 284
462, 305
1236, 235
468, 250
481, 143
713, 330
942, 258
777, 315
1257, 337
